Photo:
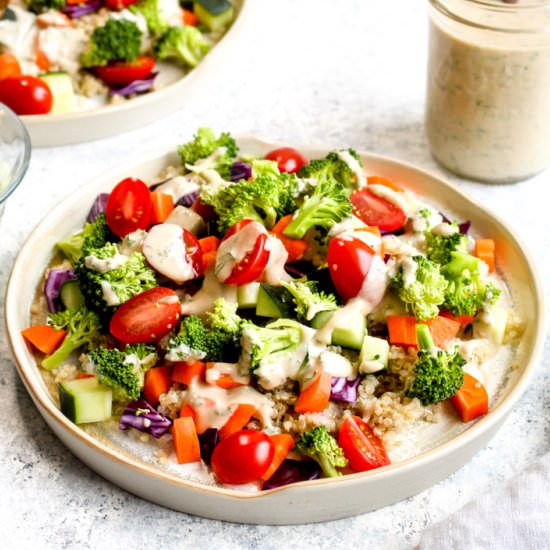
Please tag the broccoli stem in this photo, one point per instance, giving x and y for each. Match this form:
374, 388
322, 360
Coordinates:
424, 337
302, 222
328, 469
61, 353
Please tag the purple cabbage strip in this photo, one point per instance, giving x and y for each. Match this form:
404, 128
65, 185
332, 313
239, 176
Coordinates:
52, 287
74, 11
142, 416
386, 258
240, 171
187, 199
342, 389
294, 271
99, 206
136, 86
464, 227
293, 471
207, 441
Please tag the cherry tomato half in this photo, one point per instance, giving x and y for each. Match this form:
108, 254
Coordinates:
361, 445
193, 252
26, 95
117, 5
243, 457
129, 207
349, 260
146, 317
375, 210
287, 159
120, 73
9, 66
253, 264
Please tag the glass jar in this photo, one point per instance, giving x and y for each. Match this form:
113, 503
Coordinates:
488, 90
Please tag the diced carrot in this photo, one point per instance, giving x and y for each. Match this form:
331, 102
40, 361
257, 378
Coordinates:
402, 330
471, 400
157, 382
463, 319
185, 372
209, 244
163, 204
44, 337
239, 419
380, 180
189, 18
209, 259
443, 330
40, 58
485, 250
296, 248
283, 444
9, 66
186, 440
315, 396
187, 410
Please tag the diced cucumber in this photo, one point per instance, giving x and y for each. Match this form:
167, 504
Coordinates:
275, 302
215, 15
71, 295
247, 295
492, 324
61, 86
186, 218
85, 400
374, 355
349, 334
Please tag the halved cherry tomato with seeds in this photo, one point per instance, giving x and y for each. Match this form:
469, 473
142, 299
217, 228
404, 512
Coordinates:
146, 317
287, 159
129, 207
121, 73
375, 210
361, 445
250, 267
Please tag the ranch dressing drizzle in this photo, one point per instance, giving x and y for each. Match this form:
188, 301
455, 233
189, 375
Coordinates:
274, 272
395, 197
355, 166
103, 265
216, 370
177, 186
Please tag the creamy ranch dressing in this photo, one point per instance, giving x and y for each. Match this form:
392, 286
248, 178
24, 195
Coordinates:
103, 265
396, 198
178, 186
63, 47
19, 37
488, 114
354, 166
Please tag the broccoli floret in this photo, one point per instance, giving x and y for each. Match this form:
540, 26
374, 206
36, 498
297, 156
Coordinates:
332, 167
117, 40
278, 338
326, 206
319, 445
440, 247
216, 339
438, 374
157, 22
309, 301
185, 43
39, 6
83, 329
263, 199
263, 167
104, 292
420, 284
124, 370
467, 291
94, 235
204, 144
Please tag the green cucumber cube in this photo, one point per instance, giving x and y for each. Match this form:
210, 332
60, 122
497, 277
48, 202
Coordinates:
85, 400
374, 355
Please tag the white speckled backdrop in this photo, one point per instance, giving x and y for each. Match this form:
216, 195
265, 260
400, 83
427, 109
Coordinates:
346, 73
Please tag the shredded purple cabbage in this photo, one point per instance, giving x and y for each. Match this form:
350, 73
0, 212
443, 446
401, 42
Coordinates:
387, 258
342, 389
136, 86
141, 416
293, 471
294, 270
52, 287
99, 206
208, 440
74, 11
464, 227
188, 199
240, 171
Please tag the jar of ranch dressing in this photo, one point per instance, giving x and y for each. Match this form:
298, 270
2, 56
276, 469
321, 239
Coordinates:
488, 90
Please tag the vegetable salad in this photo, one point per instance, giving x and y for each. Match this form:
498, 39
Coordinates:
276, 319
60, 56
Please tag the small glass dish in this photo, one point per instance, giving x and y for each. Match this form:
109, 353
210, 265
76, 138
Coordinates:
15, 153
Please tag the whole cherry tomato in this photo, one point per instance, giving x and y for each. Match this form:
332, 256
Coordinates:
26, 95
287, 159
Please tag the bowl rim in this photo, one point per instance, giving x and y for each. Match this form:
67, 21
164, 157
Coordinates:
20, 174
440, 451
142, 100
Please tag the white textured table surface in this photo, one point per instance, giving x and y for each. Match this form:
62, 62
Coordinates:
347, 73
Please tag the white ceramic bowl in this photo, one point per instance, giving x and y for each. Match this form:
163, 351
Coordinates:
176, 91
319, 500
